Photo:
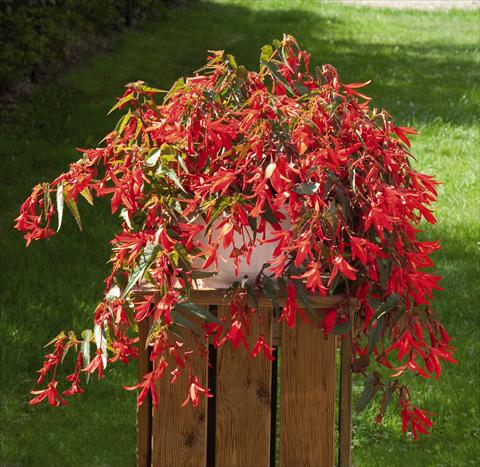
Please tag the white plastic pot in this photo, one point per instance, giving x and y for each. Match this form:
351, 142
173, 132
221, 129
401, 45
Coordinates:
261, 254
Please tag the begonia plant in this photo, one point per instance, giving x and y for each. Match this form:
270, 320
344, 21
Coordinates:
224, 161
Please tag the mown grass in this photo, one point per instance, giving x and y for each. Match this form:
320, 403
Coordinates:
424, 70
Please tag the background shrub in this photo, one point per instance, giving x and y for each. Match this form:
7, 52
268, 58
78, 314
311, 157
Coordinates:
37, 36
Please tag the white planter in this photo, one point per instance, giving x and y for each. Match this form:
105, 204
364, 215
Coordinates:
261, 254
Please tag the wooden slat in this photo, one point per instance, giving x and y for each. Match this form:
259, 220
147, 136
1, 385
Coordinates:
244, 397
345, 404
179, 434
144, 412
217, 297
307, 398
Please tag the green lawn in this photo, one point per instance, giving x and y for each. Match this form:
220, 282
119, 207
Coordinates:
424, 69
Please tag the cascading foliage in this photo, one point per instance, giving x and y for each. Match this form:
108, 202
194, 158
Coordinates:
225, 154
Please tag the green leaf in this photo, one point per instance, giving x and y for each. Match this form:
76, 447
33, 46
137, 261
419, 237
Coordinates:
173, 176
67, 348
271, 293
375, 334
47, 200
181, 320
198, 310
154, 331
121, 102
251, 293
179, 84
277, 75
306, 188
124, 215
302, 293
151, 160
383, 271
301, 88
124, 120
353, 180
183, 256
101, 342
182, 163
171, 233
268, 214
212, 96
241, 75
342, 329
345, 203
266, 52
232, 61
367, 393
146, 88
146, 259
198, 274
388, 397
389, 304
72, 205
221, 205
85, 348
328, 186
87, 194
282, 285
252, 223
59, 336
60, 204
381, 313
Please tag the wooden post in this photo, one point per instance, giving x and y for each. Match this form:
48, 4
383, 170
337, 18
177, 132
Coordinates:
345, 404
241, 417
307, 397
244, 395
144, 412
179, 434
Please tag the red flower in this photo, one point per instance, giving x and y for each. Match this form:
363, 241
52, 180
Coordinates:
49, 393
52, 359
340, 264
74, 378
236, 335
358, 249
289, 312
314, 279
261, 345
328, 321
75, 387
148, 384
96, 364
415, 417
194, 393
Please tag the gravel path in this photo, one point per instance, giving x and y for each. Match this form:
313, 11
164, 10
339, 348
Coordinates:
418, 4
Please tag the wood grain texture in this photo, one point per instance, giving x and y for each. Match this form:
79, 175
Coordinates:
144, 412
307, 398
345, 404
243, 415
218, 297
179, 434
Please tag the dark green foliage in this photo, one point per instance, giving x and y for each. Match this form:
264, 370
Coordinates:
37, 36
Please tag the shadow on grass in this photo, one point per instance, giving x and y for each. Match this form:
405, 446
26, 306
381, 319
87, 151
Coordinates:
418, 82
421, 81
